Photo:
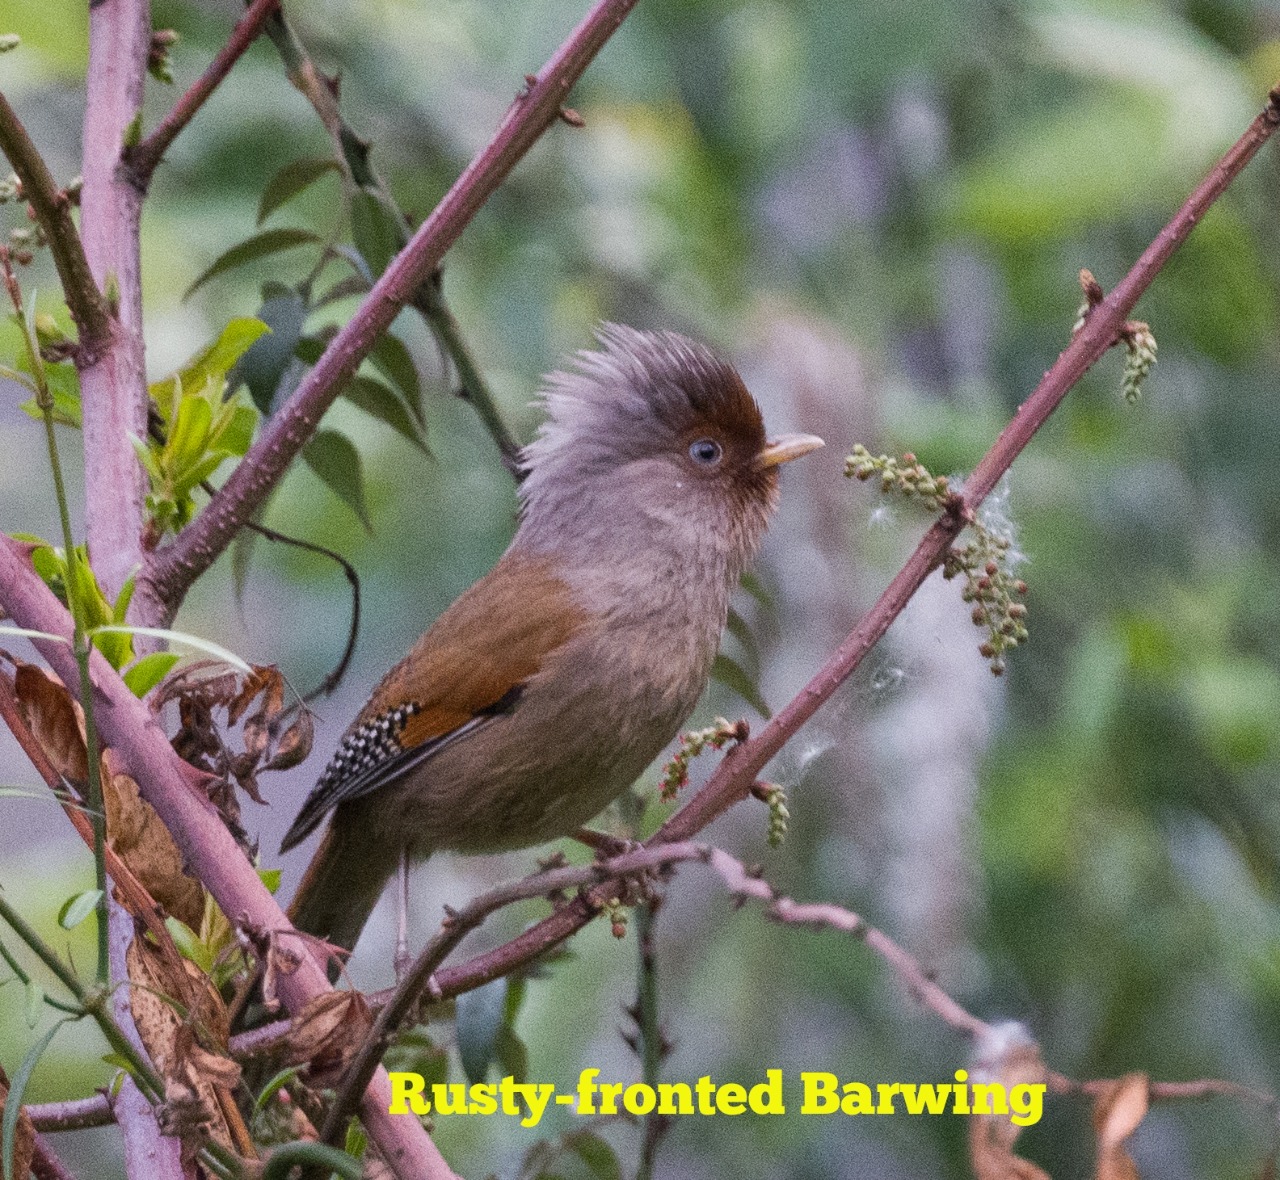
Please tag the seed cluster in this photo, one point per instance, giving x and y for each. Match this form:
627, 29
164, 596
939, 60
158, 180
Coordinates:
906, 476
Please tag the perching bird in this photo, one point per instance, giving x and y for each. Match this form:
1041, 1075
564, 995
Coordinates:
545, 689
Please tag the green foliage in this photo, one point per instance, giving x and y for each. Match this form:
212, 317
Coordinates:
201, 427
486, 1033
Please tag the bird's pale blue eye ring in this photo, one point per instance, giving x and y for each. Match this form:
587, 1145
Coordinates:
705, 452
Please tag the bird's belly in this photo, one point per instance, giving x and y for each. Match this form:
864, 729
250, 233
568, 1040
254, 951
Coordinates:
555, 761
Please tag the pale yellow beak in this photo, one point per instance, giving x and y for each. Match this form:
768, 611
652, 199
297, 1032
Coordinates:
788, 447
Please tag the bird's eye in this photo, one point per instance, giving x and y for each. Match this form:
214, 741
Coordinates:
706, 451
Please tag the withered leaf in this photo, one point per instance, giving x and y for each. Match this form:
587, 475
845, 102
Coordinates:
54, 719
141, 840
326, 1034
294, 744
1012, 1060
191, 1071
1117, 1113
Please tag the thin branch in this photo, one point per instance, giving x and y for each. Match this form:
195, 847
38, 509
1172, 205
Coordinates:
45, 1164
143, 159
173, 789
418, 980
733, 778
74, 1115
172, 570
53, 211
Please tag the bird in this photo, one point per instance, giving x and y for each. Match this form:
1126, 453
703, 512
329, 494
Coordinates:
545, 690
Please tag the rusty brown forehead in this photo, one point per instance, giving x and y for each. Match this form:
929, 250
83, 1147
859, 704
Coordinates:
721, 405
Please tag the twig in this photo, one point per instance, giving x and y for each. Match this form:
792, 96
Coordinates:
418, 979
171, 571
143, 159
53, 212
649, 1041
74, 1115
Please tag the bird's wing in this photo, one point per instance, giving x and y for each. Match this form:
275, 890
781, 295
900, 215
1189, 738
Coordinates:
470, 667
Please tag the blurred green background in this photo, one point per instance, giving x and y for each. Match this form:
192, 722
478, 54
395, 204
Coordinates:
879, 212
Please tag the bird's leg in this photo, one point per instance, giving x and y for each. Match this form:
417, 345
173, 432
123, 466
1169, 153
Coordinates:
603, 844
402, 960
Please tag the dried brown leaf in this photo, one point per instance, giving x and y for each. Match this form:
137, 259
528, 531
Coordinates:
54, 718
326, 1033
294, 744
1006, 1055
1117, 1113
141, 840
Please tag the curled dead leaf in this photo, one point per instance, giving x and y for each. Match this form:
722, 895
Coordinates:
1117, 1112
54, 717
1009, 1056
326, 1034
141, 840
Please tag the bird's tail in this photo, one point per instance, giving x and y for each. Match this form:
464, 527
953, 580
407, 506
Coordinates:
341, 886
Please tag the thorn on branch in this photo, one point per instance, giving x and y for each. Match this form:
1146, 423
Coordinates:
570, 116
1093, 295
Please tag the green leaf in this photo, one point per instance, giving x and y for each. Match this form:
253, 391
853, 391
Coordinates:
295, 177
188, 436
270, 878
237, 436
377, 232
729, 672
189, 944
386, 405
391, 358
193, 641
481, 1016
595, 1152
147, 672
263, 365
78, 907
334, 458
34, 1003
263, 245
13, 1104
64, 385
283, 1159
210, 366
274, 1086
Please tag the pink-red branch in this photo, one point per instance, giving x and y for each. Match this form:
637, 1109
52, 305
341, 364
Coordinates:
173, 569
171, 787
733, 778
144, 158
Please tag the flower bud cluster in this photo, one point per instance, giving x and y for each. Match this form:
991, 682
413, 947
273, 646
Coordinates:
994, 592
906, 476
1139, 359
676, 772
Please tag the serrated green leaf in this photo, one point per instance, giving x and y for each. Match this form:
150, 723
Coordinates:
13, 1103
380, 400
78, 907
479, 1021
189, 435
294, 178
263, 245
334, 458
147, 672
377, 232
729, 672
391, 358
